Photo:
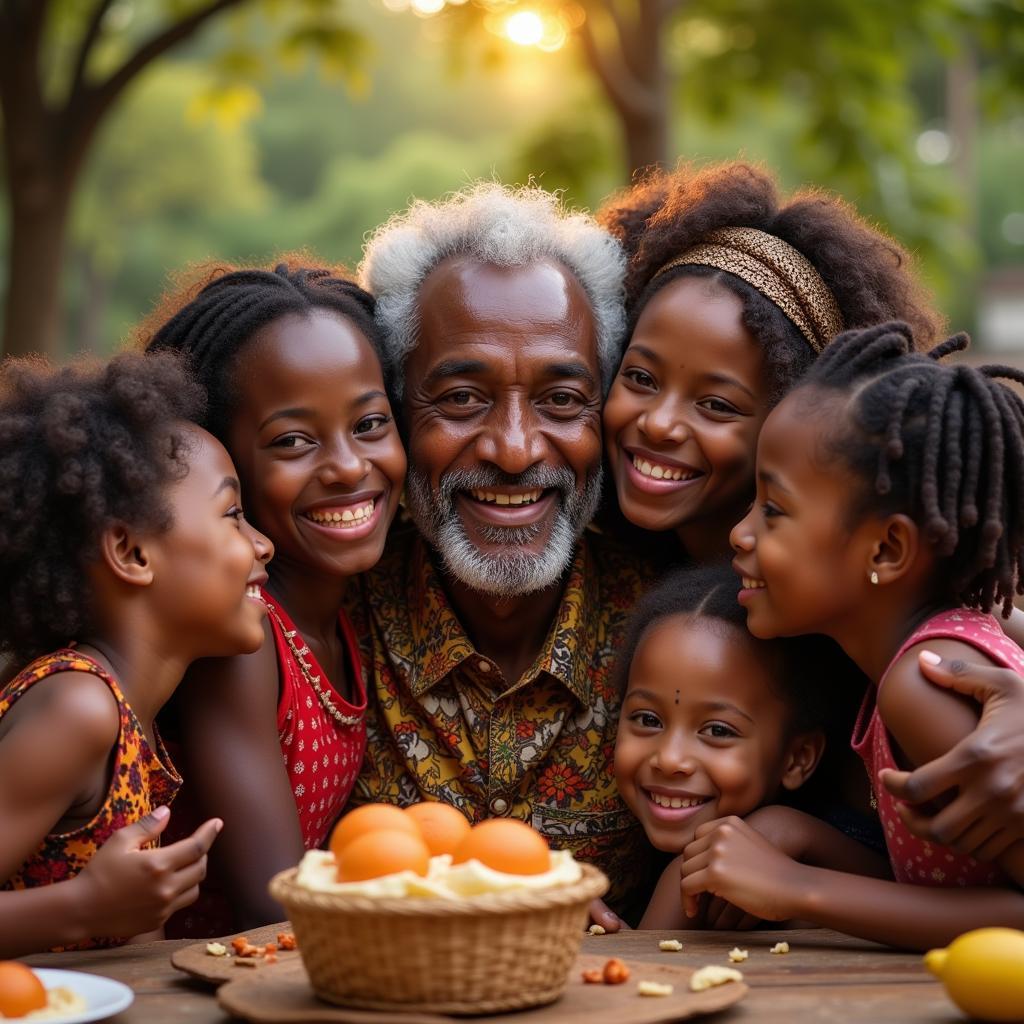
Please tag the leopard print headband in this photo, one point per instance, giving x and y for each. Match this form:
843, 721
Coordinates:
777, 270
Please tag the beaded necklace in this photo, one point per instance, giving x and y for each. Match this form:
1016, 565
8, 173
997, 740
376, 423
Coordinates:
299, 654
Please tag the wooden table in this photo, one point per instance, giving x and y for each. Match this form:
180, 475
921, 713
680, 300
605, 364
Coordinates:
825, 977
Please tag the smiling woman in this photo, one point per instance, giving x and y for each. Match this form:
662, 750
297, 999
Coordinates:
731, 293
275, 740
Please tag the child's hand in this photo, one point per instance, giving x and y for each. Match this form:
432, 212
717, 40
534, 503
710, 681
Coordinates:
126, 890
730, 859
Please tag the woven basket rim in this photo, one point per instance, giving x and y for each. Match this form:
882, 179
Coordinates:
591, 884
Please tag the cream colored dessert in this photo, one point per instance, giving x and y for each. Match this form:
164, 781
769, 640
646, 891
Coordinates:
444, 880
60, 1002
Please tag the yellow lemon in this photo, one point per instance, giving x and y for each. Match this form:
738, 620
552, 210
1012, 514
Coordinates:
983, 972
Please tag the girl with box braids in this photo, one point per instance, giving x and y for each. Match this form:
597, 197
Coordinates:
943, 443
888, 517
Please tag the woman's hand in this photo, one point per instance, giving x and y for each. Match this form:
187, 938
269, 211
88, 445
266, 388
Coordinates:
126, 890
731, 860
986, 769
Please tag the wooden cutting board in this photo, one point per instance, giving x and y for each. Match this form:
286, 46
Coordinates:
281, 994
197, 963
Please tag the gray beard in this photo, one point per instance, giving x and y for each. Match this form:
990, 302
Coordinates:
511, 572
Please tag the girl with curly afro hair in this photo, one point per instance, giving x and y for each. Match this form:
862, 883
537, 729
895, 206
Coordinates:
731, 293
124, 557
288, 358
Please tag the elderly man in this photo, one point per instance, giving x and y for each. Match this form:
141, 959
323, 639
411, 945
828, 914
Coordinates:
494, 627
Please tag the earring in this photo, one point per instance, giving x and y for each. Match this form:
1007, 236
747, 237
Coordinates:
874, 577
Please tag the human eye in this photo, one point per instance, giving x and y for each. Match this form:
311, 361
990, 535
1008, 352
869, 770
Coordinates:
718, 407
368, 424
564, 402
719, 731
770, 510
291, 442
645, 719
460, 400
236, 513
640, 378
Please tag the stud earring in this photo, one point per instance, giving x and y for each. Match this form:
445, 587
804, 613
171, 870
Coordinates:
874, 577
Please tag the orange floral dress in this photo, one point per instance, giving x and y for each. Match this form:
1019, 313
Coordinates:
141, 779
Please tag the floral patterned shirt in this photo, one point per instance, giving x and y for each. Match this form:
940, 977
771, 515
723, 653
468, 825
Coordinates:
443, 724
141, 779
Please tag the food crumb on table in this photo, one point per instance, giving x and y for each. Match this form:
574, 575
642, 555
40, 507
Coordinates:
780, 947
654, 988
216, 949
670, 945
712, 975
737, 955
596, 929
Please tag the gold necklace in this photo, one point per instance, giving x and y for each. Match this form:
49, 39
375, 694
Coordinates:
307, 673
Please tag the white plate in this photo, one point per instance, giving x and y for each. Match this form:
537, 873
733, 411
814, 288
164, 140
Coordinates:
103, 996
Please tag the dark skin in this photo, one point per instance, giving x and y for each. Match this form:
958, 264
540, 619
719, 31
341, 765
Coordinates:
806, 570
688, 402
505, 375
312, 436
162, 601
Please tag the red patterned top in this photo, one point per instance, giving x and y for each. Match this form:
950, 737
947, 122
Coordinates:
914, 860
323, 756
141, 779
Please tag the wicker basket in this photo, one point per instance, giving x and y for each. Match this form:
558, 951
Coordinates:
482, 954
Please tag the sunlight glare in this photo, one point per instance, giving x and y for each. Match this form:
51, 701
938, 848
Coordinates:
525, 28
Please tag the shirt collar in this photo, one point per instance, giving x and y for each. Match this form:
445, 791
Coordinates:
437, 633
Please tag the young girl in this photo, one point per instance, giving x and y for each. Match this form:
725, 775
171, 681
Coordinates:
714, 724
289, 360
731, 294
888, 517
123, 557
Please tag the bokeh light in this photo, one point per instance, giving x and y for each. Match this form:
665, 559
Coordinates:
425, 8
525, 28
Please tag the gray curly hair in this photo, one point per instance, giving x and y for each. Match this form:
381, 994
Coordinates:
508, 227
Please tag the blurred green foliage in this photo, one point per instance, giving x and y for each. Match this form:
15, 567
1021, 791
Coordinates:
217, 155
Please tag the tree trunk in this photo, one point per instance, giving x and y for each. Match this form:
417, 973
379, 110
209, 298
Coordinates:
645, 140
35, 259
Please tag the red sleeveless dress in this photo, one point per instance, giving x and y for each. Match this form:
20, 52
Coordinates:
322, 752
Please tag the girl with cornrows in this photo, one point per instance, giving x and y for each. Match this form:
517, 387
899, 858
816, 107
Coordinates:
887, 517
731, 293
275, 740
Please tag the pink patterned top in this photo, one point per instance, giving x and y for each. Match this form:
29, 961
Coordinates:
914, 860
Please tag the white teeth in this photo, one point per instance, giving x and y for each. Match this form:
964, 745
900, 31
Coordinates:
675, 802
350, 517
507, 499
752, 584
253, 590
659, 472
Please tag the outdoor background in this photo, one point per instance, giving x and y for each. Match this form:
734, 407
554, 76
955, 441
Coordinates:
141, 135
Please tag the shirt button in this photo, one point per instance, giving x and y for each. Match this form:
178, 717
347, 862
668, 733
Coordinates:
484, 666
499, 805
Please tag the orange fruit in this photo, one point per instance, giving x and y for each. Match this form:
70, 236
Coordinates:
382, 853
506, 844
21, 991
443, 827
370, 818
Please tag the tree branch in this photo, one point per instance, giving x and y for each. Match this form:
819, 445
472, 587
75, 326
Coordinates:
630, 96
89, 38
85, 110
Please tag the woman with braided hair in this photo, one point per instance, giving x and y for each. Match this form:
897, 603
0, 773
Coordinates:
289, 361
889, 517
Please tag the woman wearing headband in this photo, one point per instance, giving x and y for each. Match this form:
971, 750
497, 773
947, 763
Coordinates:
731, 292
